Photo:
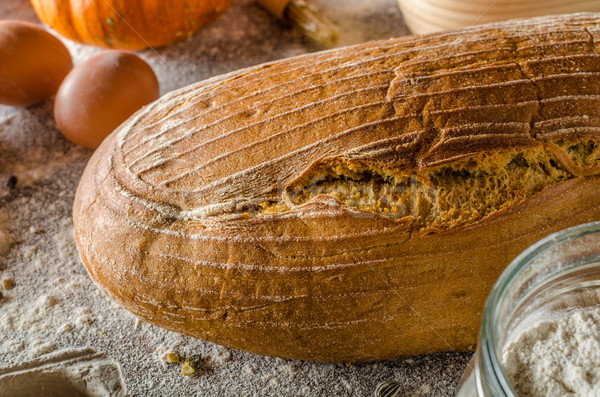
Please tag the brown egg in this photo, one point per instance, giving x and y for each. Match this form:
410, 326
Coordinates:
32, 63
101, 93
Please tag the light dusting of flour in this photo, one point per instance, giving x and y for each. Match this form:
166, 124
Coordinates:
54, 305
557, 358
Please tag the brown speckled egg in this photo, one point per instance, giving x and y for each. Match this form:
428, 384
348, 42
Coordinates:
32, 63
101, 93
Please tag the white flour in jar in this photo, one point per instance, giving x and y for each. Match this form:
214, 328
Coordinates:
557, 358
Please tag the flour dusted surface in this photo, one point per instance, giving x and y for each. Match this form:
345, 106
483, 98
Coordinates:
557, 358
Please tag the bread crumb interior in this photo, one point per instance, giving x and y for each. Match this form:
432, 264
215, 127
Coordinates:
442, 197
583, 154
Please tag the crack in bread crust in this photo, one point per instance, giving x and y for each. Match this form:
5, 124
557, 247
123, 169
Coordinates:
442, 197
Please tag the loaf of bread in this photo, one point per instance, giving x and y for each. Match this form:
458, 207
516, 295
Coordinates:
349, 205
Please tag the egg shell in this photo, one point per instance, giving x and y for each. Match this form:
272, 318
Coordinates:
32, 63
101, 93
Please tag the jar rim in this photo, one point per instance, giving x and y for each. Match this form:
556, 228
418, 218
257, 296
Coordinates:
488, 335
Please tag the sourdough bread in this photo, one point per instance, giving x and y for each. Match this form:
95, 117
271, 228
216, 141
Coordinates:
349, 205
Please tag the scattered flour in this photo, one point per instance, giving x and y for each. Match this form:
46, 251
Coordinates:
557, 358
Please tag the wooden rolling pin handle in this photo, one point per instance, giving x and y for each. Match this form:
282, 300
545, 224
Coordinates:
275, 7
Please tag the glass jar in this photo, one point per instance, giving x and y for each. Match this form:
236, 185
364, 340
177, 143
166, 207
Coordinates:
557, 274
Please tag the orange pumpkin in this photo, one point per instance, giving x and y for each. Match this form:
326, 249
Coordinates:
128, 24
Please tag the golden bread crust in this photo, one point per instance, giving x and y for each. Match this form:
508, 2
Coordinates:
355, 204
